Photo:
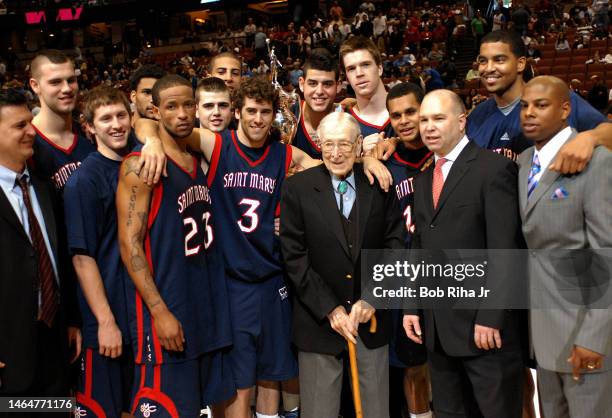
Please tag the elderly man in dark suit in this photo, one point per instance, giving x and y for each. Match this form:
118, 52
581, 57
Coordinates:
328, 215
33, 337
468, 200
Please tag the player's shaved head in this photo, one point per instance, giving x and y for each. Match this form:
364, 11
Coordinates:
553, 85
545, 108
50, 55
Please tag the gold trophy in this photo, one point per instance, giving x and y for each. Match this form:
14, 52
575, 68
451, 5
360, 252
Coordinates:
285, 120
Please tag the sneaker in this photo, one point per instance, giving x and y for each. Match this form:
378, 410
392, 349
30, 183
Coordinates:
291, 414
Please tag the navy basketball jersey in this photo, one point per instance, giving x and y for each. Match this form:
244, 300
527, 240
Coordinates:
489, 128
369, 129
302, 139
56, 163
180, 246
91, 222
404, 166
246, 198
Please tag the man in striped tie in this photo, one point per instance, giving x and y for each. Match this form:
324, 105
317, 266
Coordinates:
466, 200
568, 216
33, 340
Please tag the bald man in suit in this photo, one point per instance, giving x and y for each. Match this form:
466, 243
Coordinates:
567, 216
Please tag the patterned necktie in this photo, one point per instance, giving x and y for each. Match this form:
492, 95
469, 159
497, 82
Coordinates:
48, 287
532, 182
342, 188
438, 181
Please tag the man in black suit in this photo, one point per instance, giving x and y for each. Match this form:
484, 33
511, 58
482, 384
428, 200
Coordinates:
33, 335
468, 201
329, 213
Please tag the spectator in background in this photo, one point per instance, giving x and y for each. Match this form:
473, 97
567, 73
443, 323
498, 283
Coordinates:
261, 48
249, 30
479, 25
379, 24
473, 74
262, 68
435, 54
608, 58
533, 52
598, 95
335, 11
520, 18
432, 78
576, 86
561, 43
499, 20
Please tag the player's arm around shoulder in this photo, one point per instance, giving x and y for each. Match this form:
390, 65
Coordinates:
301, 161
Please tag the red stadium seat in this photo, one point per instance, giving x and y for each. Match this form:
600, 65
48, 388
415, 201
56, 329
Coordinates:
562, 61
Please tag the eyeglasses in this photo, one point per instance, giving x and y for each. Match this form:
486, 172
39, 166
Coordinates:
343, 146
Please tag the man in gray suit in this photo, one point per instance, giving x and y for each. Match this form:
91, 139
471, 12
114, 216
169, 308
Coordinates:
572, 341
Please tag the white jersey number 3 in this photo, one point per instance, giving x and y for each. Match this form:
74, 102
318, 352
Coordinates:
250, 214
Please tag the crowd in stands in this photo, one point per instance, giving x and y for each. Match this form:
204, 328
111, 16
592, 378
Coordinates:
418, 45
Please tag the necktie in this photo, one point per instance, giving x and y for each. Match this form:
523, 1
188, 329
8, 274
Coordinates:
342, 188
48, 289
532, 182
438, 181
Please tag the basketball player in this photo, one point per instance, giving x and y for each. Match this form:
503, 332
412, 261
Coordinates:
214, 104
91, 221
141, 83
228, 67
58, 150
495, 123
319, 84
168, 243
407, 359
362, 64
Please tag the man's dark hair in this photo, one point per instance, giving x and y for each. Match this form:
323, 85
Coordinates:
404, 89
257, 88
322, 60
146, 71
12, 97
211, 63
52, 55
166, 82
211, 84
508, 37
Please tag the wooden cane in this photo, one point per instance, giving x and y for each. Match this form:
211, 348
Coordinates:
355, 373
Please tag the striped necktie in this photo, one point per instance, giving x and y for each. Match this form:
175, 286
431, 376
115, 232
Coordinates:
532, 182
49, 295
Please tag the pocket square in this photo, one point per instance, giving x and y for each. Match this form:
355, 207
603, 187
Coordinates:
559, 193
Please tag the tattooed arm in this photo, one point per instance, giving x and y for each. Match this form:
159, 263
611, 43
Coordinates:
133, 200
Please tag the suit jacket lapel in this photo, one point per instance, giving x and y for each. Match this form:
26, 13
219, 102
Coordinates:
8, 213
547, 180
524, 169
458, 170
326, 201
46, 207
364, 205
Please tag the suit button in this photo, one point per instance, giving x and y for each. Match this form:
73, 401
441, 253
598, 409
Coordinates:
350, 245
348, 277
432, 226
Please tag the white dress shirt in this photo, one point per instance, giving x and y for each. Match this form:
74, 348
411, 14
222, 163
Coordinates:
451, 157
552, 147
